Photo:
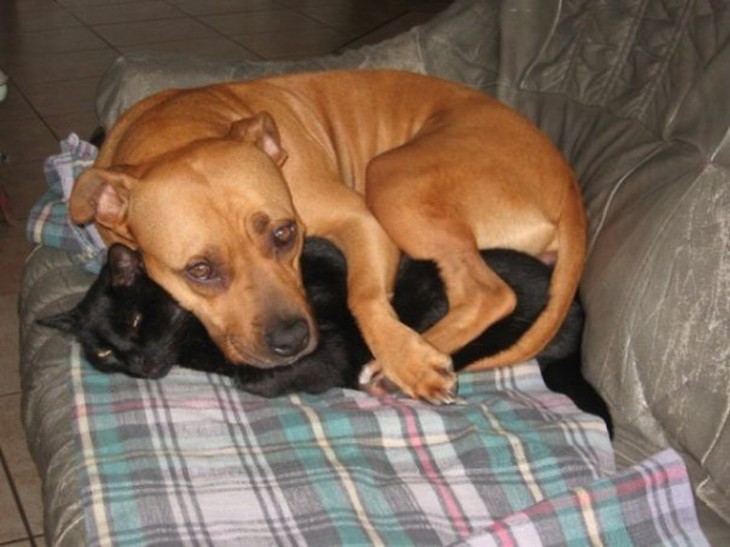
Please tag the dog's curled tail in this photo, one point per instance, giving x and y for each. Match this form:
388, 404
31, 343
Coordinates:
563, 286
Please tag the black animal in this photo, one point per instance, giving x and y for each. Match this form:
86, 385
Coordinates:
127, 323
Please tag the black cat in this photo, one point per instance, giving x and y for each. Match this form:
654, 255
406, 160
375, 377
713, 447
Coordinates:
127, 323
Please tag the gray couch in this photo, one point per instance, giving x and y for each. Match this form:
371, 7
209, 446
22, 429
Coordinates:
635, 93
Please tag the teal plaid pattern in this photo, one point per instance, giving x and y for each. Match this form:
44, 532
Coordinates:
190, 460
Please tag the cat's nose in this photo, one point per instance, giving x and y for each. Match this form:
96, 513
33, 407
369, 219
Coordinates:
143, 367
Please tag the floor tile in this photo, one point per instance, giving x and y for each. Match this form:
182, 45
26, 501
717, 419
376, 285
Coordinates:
15, 107
124, 12
218, 47
397, 26
433, 6
304, 43
82, 123
11, 525
76, 3
54, 98
20, 464
13, 9
343, 17
283, 21
58, 67
23, 184
48, 16
65, 40
145, 32
196, 7
26, 140
9, 361
355, 4
13, 251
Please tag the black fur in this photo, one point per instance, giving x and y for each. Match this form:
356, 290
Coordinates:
98, 137
127, 323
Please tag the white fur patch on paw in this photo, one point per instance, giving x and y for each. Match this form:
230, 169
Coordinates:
367, 374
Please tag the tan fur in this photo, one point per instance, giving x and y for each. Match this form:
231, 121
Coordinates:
378, 162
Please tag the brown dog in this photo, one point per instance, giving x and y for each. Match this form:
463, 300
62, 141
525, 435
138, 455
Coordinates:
217, 185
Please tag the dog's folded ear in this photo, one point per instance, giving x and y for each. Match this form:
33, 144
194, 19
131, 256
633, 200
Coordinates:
125, 265
101, 195
261, 131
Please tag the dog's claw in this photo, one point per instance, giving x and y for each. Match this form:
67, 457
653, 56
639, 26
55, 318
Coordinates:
447, 397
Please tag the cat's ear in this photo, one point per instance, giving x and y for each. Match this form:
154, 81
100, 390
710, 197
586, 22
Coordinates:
125, 265
67, 321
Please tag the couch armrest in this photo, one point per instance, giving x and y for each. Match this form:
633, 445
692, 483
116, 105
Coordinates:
657, 289
51, 284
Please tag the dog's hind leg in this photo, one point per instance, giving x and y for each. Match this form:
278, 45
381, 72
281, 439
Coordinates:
477, 296
425, 216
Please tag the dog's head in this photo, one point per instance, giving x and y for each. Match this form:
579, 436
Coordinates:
126, 322
216, 227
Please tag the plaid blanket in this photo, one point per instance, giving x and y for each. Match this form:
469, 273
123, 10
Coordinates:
48, 222
191, 460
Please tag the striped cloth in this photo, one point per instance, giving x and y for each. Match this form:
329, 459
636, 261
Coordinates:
48, 223
190, 460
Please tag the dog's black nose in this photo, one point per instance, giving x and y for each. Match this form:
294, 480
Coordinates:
288, 337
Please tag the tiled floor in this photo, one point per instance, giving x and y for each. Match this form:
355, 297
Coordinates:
54, 52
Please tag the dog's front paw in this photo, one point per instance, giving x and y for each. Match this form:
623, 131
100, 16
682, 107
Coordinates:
422, 375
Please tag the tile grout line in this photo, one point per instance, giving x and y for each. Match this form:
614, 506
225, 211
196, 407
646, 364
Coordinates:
16, 499
19, 88
376, 28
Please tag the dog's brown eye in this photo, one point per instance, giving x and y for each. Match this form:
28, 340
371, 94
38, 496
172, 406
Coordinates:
285, 235
200, 271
